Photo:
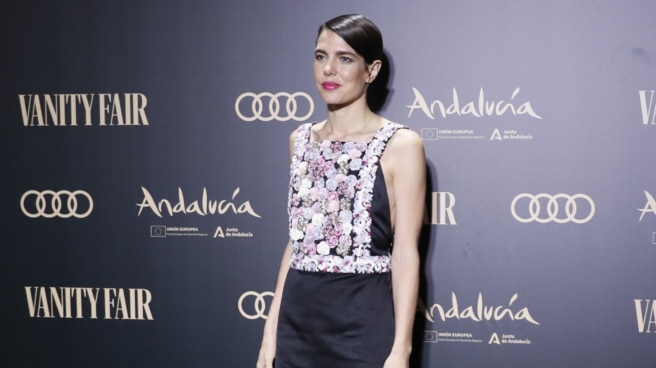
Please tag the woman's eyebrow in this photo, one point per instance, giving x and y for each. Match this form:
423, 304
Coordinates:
339, 53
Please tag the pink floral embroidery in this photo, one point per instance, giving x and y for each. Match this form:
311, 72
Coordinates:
331, 188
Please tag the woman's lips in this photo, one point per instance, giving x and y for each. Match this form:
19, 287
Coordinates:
330, 86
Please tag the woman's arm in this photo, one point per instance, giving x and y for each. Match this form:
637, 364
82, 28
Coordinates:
407, 165
268, 348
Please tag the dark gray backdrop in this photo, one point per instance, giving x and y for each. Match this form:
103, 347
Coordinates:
538, 249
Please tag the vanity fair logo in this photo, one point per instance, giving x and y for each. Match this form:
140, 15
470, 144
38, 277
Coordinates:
253, 305
479, 108
478, 312
91, 303
646, 315
267, 106
441, 209
558, 208
102, 109
51, 204
648, 107
650, 206
203, 207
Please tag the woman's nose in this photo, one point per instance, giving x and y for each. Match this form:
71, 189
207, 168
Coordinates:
329, 68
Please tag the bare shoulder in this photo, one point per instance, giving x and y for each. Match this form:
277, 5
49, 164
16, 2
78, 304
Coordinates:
404, 156
406, 141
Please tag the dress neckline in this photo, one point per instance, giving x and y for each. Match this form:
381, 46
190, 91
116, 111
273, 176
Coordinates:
313, 140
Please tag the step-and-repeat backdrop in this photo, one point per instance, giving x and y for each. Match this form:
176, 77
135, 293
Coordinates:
145, 158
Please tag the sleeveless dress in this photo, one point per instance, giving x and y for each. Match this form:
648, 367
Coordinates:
337, 308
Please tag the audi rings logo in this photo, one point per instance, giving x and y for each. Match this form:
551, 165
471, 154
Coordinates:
259, 307
558, 208
281, 106
50, 204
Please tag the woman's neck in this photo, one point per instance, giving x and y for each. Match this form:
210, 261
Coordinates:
350, 122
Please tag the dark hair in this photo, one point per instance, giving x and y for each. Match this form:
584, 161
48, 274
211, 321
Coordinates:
360, 33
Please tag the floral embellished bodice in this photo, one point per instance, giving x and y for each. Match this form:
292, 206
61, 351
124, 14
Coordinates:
330, 202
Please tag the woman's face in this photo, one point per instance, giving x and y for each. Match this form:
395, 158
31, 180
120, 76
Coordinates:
340, 73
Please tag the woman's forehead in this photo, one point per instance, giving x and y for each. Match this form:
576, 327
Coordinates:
331, 41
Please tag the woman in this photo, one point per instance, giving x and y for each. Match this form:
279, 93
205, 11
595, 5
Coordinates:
346, 296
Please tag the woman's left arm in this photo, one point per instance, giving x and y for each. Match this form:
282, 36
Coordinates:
407, 164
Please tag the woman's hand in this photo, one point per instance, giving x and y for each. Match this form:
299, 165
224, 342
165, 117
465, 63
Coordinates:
397, 361
267, 353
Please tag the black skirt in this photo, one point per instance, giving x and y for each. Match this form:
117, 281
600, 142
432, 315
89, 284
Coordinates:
335, 320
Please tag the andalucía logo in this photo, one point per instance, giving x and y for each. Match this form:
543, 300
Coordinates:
479, 312
203, 207
478, 108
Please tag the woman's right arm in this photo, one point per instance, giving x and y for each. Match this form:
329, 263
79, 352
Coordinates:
268, 348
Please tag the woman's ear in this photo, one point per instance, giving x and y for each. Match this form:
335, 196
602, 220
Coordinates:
373, 70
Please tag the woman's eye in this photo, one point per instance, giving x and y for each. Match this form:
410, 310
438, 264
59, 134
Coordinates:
346, 59
319, 57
